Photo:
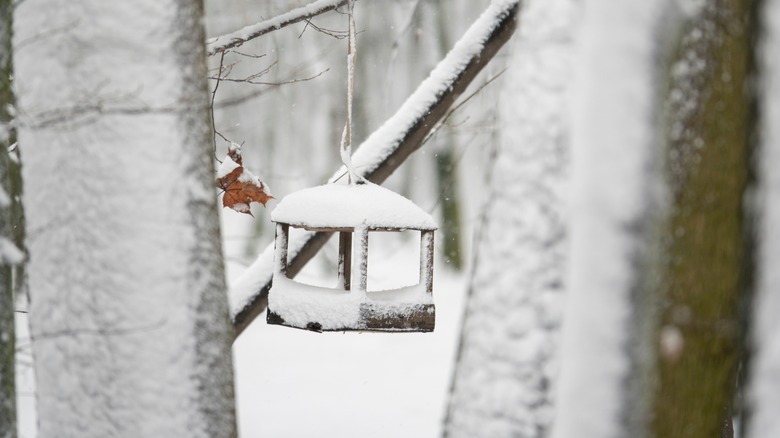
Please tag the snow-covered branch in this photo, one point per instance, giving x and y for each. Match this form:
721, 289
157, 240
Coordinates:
239, 37
387, 148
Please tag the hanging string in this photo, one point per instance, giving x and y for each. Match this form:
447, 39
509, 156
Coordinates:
346, 137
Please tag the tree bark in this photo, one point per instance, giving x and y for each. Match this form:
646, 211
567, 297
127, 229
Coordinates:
709, 122
129, 315
8, 201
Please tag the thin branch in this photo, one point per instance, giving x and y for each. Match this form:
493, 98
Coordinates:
248, 80
235, 39
226, 103
248, 55
408, 127
211, 106
460, 104
338, 34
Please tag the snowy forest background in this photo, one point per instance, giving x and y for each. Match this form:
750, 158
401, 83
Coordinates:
605, 191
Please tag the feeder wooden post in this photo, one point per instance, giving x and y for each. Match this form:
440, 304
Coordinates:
345, 259
362, 257
280, 248
426, 260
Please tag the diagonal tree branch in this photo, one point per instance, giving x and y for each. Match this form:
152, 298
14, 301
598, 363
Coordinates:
239, 37
389, 146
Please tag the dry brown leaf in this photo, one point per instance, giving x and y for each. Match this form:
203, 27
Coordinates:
240, 186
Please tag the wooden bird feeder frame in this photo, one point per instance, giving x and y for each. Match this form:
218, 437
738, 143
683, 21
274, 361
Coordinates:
408, 309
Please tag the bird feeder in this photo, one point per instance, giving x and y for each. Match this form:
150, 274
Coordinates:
354, 211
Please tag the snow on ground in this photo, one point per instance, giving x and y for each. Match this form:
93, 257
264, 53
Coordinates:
293, 383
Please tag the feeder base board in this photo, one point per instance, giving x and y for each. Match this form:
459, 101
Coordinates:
375, 318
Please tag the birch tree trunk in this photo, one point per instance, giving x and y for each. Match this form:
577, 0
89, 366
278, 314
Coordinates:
128, 305
508, 349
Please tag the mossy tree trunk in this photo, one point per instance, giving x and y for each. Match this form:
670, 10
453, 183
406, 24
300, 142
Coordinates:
10, 187
708, 123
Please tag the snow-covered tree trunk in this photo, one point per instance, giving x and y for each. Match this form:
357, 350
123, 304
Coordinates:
763, 396
128, 306
616, 188
662, 125
503, 380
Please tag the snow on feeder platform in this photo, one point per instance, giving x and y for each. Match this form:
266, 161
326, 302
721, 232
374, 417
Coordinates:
352, 210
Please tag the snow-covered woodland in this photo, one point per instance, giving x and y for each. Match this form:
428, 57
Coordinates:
595, 179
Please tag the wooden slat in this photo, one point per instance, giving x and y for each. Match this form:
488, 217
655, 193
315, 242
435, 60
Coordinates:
345, 260
419, 318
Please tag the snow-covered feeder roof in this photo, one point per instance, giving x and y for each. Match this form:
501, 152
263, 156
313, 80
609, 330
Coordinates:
341, 206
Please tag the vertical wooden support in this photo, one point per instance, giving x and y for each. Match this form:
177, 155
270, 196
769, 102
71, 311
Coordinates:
361, 253
280, 248
426, 260
345, 259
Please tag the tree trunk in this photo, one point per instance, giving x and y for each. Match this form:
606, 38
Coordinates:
763, 394
502, 385
616, 208
128, 307
708, 123
9, 254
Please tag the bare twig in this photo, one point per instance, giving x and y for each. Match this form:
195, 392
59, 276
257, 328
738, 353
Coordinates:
211, 106
235, 39
291, 81
460, 104
338, 34
248, 55
249, 80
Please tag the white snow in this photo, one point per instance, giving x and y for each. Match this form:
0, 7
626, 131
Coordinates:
350, 206
333, 308
227, 166
10, 254
764, 386
296, 384
613, 133
299, 304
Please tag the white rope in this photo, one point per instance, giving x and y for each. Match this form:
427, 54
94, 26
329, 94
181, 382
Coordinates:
346, 137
